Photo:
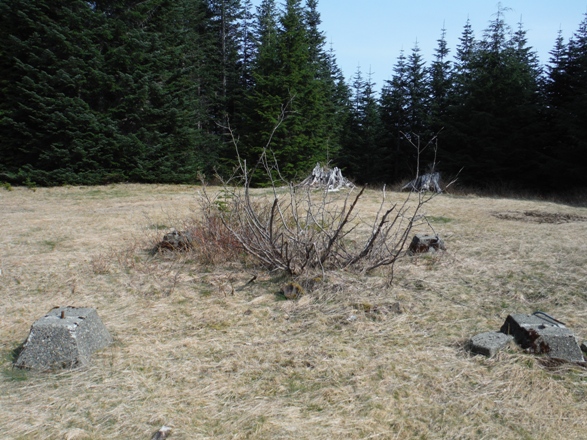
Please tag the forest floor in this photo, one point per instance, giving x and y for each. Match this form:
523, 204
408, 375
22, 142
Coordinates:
200, 350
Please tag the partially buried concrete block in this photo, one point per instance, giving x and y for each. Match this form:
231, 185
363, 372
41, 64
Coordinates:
541, 334
489, 343
64, 338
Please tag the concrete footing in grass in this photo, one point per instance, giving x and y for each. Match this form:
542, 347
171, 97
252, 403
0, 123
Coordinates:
538, 333
489, 343
63, 338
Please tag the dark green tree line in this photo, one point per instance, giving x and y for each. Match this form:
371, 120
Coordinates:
500, 117
566, 97
157, 91
51, 120
103, 91
119, 90
491, 122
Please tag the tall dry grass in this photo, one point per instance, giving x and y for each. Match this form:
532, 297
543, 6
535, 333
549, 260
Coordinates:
199, 348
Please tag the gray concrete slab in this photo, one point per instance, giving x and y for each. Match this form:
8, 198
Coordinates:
489, 343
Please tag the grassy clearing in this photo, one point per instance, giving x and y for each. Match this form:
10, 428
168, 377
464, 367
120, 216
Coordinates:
199, 349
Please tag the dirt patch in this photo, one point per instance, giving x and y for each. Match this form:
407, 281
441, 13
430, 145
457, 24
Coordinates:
539, 217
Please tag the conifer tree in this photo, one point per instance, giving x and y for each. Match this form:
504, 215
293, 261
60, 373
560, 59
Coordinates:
490, 125
440, 76
302, 142
465, 53
567, 103
452, 149
329, 77
554, 91
394, 104
417, 93
105, 91
225, 55
337, 105
262, 100
362, 154
316, 39
156, 95
288, 84
247, 45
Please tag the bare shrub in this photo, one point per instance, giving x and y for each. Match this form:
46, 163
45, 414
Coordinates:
295, 228
212, 241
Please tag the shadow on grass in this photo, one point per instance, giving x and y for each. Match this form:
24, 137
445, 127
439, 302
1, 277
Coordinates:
12, 373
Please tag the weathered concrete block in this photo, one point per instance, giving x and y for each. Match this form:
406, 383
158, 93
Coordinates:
541, 335
64, 338
489, 343
426, 243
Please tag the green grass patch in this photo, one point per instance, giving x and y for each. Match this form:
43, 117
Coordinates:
10, 373
50, 244
14, 374
159, 227
442, 220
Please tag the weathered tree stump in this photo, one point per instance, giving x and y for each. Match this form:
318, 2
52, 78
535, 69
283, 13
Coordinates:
324, 177
422, 243
426, 182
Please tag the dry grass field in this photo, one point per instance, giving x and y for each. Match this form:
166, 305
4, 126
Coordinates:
198, 349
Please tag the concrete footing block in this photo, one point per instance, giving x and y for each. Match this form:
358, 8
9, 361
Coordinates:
489, 343
64, 338
541, 335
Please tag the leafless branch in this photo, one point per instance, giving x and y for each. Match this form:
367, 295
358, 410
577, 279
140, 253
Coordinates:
297, 228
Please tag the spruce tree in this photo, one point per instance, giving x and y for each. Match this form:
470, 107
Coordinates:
567, 103
225, 56
363, 156
261, 98
330, 79
463, 64
492, 120
394, 104
103, 91
302, 141
247, 47
440, 76
157, 92
288, 92
417, 93
525, 140
337, 105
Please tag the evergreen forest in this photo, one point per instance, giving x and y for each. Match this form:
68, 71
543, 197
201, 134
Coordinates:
168, 90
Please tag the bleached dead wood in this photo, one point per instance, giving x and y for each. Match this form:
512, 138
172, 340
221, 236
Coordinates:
330, 179
426, 182
162, 434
